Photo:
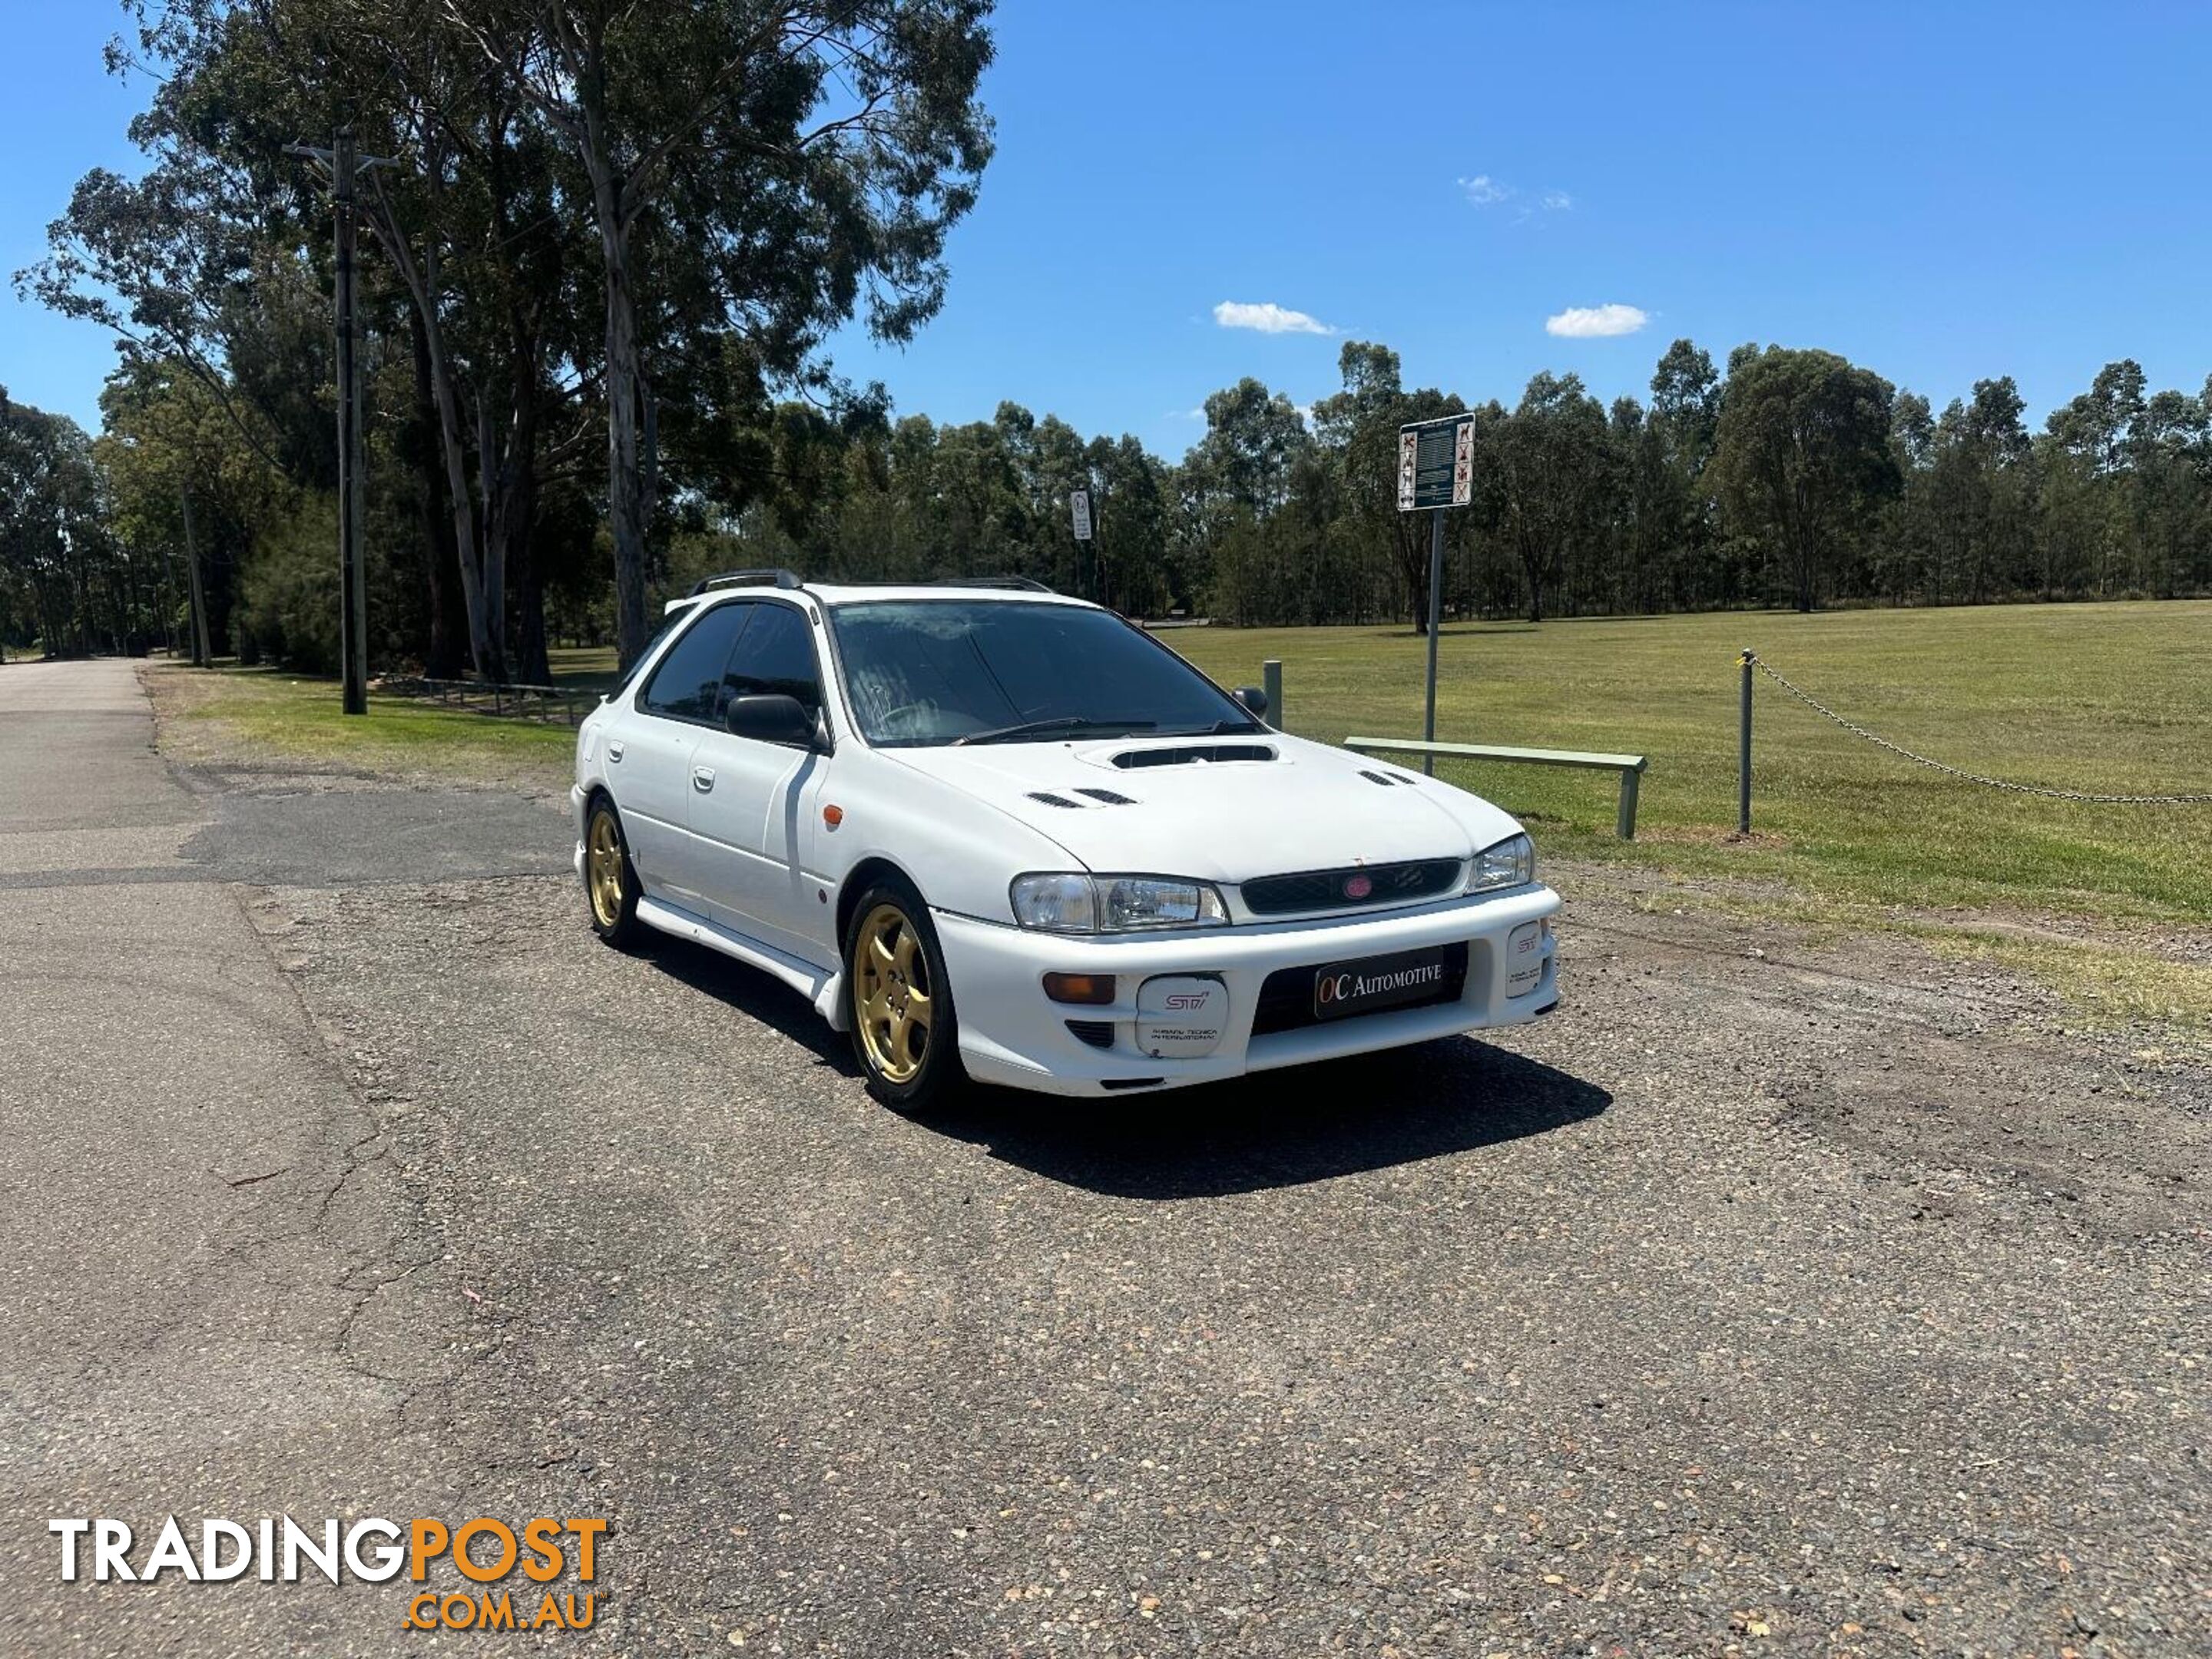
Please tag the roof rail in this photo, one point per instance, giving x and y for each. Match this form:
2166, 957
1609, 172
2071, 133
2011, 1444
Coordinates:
1023, 584
777, 577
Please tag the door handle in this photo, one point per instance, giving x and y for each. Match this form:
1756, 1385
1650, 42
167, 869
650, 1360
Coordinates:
614, 749
702, 778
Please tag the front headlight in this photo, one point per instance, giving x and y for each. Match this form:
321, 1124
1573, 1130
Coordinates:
1512, 863
1114, 905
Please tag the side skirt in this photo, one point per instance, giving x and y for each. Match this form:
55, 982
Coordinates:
823, 988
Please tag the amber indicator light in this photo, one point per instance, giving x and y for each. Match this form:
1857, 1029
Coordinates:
1080, 988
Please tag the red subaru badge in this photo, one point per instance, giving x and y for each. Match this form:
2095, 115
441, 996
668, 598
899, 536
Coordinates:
1357, 887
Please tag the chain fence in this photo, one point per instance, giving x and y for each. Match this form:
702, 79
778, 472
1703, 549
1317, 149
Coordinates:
1961, 772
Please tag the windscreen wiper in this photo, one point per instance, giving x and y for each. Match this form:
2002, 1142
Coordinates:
1058, 723
1219, 729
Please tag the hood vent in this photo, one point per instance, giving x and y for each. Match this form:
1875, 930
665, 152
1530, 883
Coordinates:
1378, 777
1099, 797
1211, 754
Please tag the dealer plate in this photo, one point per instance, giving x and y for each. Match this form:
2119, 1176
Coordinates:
1373, 983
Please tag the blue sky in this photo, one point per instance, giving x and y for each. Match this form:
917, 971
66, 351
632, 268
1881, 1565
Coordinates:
1939, 193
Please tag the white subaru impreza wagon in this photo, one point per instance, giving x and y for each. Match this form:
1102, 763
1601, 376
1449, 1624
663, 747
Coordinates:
996, 833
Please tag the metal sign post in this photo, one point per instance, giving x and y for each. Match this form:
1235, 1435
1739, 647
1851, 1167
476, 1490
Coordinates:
1436, 471
1079, 507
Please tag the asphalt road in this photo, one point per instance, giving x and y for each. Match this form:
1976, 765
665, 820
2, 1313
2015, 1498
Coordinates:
1770, 1298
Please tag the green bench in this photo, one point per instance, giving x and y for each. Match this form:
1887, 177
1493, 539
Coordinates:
1631, 767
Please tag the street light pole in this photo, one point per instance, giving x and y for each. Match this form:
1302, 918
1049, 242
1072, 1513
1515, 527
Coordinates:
345, 166
353, 651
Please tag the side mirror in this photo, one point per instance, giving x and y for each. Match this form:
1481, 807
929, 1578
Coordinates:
771, 717
1254, 698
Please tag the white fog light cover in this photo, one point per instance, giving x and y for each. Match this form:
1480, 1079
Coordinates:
1114, 905
1512, 863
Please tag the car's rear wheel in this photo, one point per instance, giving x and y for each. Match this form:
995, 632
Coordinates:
901, 1003
609, 879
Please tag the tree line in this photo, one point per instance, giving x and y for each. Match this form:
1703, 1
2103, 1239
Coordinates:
1793, 477
604, 247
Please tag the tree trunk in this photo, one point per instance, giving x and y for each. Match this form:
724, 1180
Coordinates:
444, 630
422, 289
627, 508
510, 536
202, 656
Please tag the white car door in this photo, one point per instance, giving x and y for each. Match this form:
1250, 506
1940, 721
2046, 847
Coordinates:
751, 802
651, 751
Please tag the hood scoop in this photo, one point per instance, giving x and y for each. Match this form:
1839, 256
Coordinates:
1205, 754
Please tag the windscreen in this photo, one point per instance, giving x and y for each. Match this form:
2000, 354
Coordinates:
926, 671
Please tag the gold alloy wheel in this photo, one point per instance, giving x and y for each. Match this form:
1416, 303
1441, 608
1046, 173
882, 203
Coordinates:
603, 868
893, 994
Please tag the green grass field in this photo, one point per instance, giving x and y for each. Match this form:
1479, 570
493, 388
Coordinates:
2113, 699
2110, 699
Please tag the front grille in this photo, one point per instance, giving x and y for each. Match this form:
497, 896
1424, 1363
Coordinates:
1323, 889
1287, 1000
1098, 1033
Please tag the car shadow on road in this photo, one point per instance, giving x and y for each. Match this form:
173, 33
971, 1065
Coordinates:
1281, 1129
1276, 1129
756, 995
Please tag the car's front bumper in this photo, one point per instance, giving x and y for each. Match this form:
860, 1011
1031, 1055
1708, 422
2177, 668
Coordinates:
1012, 1034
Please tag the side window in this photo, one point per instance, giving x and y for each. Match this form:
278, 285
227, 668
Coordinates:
687, 684
776, 654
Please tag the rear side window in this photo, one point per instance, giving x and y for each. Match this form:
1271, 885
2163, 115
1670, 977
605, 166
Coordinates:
688, 683
776, 654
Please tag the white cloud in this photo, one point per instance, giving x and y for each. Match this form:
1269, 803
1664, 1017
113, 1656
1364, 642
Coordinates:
1482, 190
1596, 322
1198, 414
1268, 318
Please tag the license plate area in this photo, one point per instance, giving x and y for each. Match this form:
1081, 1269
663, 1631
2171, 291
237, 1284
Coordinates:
1404, 979
1287, 999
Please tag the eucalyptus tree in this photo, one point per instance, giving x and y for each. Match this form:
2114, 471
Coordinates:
1358, 428
1800, 456
810, 155
465, 203
1684, 409
1551, 454
62, 574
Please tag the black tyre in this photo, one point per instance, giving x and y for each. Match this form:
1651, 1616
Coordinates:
609, 879
900, 1001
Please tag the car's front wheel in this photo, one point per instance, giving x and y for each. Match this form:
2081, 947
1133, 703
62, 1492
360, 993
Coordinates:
609, 879
900, 1001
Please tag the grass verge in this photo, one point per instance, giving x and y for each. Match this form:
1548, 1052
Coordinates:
249, 716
